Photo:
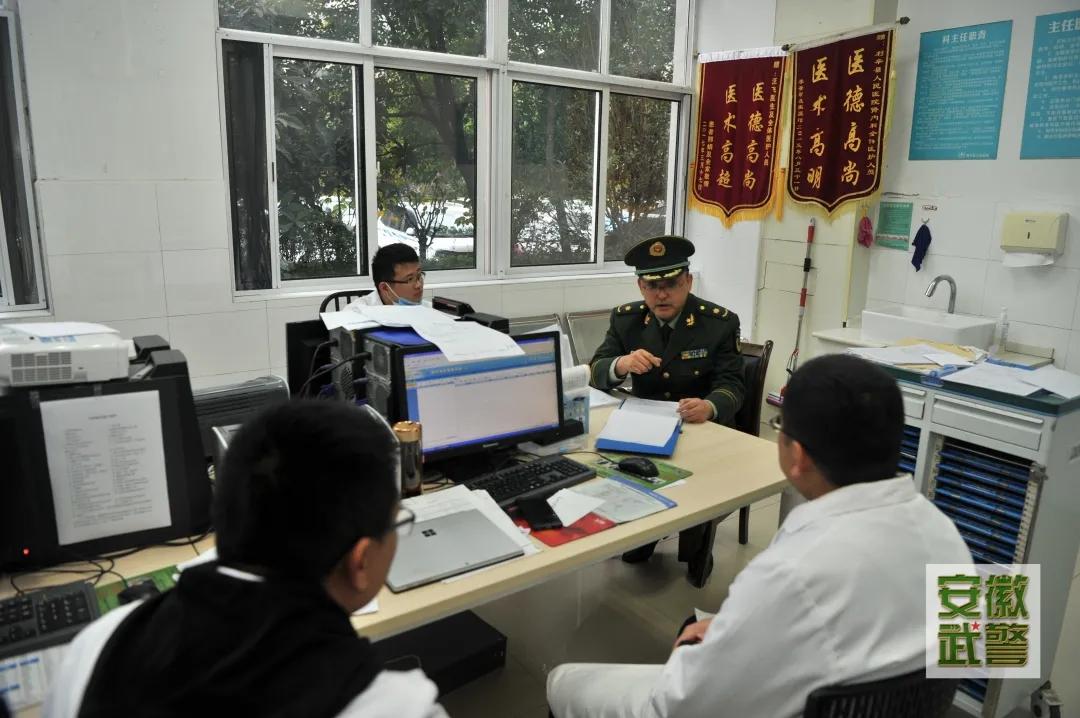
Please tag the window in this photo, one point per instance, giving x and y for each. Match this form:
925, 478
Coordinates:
325, 19
553, 171
640, 165
565, 33
318, 205
453, 26
21, 284
496, 137
426, 135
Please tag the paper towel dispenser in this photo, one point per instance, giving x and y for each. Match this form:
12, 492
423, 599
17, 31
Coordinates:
1037, 232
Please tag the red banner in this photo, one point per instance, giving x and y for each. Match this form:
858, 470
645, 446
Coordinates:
838, 119
732, 175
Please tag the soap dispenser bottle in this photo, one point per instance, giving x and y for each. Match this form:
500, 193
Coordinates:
1001, 333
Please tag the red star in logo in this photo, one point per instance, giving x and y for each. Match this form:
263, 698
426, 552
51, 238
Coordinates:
975, 626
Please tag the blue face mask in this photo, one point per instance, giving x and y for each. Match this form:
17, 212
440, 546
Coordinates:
402, 301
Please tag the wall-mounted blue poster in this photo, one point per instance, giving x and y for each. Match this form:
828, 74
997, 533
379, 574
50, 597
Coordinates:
1052, 119
959, 91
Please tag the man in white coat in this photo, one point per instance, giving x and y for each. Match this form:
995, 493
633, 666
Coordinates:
837, 597
307, 518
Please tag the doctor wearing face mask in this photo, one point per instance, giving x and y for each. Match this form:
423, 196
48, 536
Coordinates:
398, 277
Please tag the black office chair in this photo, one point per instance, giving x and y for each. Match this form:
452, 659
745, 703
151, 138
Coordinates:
348, 295
911, 695
748, 419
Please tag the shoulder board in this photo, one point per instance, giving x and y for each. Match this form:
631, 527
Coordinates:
708, 309
631, 309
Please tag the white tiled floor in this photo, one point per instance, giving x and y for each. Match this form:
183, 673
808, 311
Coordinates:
630, 613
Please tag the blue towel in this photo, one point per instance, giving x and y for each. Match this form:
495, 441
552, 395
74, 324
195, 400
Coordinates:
922, 243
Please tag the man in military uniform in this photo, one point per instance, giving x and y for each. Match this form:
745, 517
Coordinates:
679, 348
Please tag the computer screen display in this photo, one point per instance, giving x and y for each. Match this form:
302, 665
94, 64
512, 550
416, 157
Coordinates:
463, 404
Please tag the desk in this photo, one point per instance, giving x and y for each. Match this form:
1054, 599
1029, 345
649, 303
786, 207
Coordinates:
731, 469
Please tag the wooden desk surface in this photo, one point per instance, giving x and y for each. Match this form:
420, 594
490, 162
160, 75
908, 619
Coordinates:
731, 469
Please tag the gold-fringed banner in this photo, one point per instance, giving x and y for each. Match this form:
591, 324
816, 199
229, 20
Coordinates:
838, 112
734, 172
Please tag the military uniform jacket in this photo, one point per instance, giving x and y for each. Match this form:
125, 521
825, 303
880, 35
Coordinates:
701, 359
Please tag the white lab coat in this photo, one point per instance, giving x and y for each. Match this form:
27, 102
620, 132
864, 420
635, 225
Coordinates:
838, 597
393, 694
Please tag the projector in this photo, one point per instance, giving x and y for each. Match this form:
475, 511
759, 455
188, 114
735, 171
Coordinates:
60, 353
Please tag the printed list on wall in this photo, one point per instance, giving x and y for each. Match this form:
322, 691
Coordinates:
959, 91
1052, 118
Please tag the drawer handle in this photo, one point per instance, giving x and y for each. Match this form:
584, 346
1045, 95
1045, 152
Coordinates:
983, 409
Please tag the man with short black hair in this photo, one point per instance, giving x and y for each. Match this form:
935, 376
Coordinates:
397, 275
307, 517
838, 596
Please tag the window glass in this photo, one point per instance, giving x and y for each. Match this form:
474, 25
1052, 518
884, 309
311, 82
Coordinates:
565, 33
643, 38
326, 19
318, 208
454, 26
426, 146
638, 171
553, 175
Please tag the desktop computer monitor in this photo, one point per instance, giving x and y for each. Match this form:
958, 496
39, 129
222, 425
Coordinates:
472, 406
93, 468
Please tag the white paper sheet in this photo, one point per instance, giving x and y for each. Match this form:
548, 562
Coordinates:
347, 319
620, 502
106, 465
569, 505
1062, 383
458, 341
914, 354
371, 607
599, 398
948, 359
482, 500
24, 679
637, 428
63, 329
575, 379
992, 376
440, 503
651, 406
567, 354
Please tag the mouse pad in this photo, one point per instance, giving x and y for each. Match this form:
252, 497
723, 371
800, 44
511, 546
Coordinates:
669, 473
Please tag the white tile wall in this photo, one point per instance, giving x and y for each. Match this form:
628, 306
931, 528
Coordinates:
82, 217
888, 275
1072, 362
193, 215
127, 285
223, 342
1037, 295
197, 281
970, 276
277, 318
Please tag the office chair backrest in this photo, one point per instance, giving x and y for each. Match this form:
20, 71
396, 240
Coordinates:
911, 695
755, 365
587, 331
348, 295
524, 325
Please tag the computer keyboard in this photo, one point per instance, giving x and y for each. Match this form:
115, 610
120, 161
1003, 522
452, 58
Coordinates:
45, 617
535, 479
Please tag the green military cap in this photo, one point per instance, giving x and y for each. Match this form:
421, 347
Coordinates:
660, 257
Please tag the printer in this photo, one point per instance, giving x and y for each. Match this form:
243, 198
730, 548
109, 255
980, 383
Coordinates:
37, 354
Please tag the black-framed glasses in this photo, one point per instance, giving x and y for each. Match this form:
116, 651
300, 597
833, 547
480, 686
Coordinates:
404, 521
414, 279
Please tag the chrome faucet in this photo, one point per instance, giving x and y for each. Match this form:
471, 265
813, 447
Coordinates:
952, 290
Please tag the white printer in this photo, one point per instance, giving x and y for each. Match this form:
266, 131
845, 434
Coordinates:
36, 354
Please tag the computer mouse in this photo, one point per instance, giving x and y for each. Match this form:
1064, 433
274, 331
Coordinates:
639, 466
136, 591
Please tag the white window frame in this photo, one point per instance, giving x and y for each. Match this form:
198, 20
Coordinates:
495, 75
27, 177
